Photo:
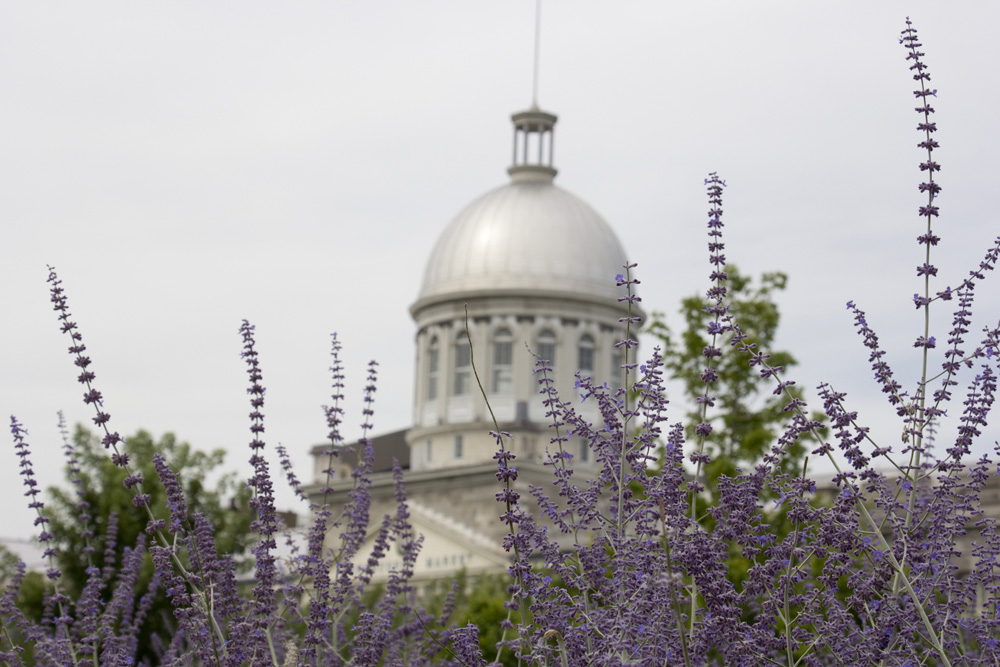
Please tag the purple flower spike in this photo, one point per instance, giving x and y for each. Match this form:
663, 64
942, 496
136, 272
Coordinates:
883, 372
265, 523
928, 211
57, 295
45, 538
175, 494
23, 453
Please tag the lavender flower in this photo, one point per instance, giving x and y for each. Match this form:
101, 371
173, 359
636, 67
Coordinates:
717, 309
265, 522
316, 565
12, 620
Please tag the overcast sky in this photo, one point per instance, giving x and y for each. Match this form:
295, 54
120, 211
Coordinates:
189, 164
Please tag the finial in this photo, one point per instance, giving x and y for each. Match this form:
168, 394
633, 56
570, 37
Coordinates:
538, 34
533, 131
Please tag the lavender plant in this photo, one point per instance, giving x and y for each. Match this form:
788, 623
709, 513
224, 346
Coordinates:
868, 575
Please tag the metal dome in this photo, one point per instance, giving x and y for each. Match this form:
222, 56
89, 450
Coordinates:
527, 236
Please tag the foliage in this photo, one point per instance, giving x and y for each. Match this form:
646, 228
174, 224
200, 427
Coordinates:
480, 602
484, 607
8, 564
747, 416
218, 497
871, 577
100, 503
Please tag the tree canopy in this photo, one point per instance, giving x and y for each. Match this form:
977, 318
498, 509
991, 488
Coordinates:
81, 513
747, 417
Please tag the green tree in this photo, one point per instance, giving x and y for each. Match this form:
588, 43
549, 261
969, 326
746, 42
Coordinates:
101, 487
484, 608
8, 564
747, 417
480, 600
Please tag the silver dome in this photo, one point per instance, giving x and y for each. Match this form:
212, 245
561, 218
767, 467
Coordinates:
529, 235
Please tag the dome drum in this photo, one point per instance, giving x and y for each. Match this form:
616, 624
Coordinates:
505, 348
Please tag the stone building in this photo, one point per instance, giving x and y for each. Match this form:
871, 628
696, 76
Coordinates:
525, 271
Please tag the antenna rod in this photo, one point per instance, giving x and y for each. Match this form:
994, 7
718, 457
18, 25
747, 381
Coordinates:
538, 32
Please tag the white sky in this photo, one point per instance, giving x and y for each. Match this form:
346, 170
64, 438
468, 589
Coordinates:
190, 164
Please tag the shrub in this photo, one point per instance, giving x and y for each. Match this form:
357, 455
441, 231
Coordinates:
870, 577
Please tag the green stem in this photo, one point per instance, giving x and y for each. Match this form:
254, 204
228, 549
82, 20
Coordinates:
522, 602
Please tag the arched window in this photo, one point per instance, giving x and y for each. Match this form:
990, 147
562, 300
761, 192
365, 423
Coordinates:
547, 347
463, 365
433, 362
503, 362
585, 356
617, 372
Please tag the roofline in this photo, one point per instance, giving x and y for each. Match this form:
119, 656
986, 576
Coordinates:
414, 478
316, 450
537, 293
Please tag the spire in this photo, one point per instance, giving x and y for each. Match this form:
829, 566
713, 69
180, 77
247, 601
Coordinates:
538, 41
533, 130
